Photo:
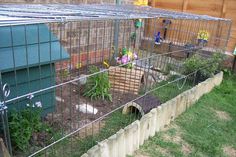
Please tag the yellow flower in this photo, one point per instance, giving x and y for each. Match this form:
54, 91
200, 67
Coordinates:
130, 54
78, 65
141, 2
203, 34
106, 64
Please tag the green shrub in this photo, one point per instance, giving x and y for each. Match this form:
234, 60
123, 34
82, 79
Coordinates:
206, 67
193, 63
98, 85
23, 124
215, 63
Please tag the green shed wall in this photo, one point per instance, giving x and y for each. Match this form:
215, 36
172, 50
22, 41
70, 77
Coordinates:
39, 77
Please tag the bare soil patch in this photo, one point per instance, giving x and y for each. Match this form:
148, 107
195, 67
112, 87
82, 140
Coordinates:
140, 154
223, 115
230, 151
67, 115
177, 138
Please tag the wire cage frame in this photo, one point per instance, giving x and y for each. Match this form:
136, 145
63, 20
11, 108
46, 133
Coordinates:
68, 70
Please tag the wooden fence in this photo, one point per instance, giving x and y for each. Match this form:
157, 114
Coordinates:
217, 8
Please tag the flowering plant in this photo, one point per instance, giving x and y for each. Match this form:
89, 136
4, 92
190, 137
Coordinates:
203, 37
126, 57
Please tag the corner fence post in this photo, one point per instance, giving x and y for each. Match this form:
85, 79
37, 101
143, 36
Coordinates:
116, 33
4, 93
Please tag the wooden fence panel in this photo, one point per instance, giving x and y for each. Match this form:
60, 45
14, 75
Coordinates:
217, 8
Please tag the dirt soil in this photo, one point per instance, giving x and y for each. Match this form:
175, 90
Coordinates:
230, 151
223, 115
167, 137
67, 115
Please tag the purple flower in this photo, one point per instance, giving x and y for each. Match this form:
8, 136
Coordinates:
135, 56
30, 96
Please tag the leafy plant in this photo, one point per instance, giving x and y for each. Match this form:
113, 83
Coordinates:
98, 85
193, 63
205, 67
215, 61
227, 72
23, 124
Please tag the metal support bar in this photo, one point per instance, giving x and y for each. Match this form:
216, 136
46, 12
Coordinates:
234, 63
4, 92
32, 14
116, 33
116, 37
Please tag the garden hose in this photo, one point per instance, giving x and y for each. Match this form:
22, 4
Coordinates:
184, 82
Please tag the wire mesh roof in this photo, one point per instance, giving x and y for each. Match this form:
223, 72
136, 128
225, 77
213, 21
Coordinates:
38, 13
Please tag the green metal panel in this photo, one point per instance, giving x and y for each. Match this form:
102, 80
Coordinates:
27, 57
30, 45
34, 82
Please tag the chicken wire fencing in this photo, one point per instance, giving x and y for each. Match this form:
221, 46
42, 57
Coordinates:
68, 71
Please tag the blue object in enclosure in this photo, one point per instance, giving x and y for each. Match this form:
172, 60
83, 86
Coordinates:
158, 38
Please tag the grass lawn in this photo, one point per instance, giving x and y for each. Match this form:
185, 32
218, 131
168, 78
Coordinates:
208, 128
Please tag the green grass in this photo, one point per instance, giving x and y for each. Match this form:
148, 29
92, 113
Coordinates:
150, 145
200, 128
167, 91
76, 146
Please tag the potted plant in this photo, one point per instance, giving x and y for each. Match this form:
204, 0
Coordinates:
203, 37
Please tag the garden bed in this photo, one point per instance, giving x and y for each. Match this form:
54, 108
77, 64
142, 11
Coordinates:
127, 140
67, 114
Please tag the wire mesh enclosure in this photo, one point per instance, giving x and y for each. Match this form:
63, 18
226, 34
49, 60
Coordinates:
67, 71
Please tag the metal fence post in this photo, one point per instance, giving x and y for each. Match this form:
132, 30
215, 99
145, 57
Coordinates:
116, 33
4, 92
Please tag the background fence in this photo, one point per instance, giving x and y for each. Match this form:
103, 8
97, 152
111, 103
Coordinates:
219, 8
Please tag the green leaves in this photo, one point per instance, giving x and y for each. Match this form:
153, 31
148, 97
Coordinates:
98, 85
23, 124
194, 63
206, 67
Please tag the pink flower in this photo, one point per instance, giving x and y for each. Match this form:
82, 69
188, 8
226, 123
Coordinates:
125, 59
